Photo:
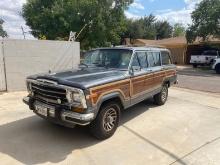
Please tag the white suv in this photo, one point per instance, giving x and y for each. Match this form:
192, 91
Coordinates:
216, 65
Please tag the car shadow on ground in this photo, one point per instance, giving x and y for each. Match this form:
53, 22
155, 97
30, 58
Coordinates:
35, 141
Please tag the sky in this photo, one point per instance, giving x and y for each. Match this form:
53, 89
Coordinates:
174, 11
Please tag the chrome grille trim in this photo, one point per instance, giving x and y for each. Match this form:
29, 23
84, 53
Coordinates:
48, 92
43, 99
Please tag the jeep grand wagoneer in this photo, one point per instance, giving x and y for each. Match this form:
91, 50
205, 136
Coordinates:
107, 81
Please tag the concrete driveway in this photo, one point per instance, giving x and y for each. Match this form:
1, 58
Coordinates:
184, 131
201, 79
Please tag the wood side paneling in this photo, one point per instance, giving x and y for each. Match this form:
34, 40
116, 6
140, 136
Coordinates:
121, 86
142, 83
133, 87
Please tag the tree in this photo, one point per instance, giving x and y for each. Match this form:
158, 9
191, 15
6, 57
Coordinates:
205, 21
142, 28
135, 29
178, 30
163, 30
103, 21
148, 28
3, 33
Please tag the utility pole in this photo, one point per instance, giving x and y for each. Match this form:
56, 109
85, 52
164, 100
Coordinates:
72, 36
87, 24
23, 32
4, 65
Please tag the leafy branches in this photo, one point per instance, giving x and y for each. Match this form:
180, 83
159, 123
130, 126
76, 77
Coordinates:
206, 21
56, 18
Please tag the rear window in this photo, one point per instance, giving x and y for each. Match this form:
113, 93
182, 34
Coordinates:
210, 53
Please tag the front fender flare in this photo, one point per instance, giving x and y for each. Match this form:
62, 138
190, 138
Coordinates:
113, 95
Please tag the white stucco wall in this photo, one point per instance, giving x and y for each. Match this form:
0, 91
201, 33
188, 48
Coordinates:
25, 57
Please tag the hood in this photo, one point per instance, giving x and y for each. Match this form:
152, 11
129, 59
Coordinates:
84, 78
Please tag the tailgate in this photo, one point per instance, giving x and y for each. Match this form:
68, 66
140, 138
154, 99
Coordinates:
198, 59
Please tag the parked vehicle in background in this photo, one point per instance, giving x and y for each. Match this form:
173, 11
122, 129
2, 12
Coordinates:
206, 58
108, 81
216, 65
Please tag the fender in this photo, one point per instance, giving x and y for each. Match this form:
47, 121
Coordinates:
113, 95
171, 80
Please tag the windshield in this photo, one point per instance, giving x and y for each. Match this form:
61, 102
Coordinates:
108, 58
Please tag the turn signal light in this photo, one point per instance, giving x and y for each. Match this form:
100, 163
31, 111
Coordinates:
79, 110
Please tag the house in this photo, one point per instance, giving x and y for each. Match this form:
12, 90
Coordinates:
181, 51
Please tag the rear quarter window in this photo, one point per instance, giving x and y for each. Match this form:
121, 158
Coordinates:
166, 60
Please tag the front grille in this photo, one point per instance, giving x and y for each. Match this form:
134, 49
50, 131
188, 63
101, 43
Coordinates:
49, 93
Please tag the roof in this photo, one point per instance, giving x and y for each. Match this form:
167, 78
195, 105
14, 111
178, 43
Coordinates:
135, 48
169, 42
175, 41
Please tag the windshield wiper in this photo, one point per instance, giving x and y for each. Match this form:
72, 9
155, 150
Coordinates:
98, 65
84, 64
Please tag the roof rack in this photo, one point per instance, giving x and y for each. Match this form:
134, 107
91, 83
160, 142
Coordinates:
155, 46
146, 45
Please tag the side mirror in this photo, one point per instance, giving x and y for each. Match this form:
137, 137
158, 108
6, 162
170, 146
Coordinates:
135, 69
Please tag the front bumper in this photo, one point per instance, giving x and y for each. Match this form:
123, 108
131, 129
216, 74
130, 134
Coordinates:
214, 65
61, 116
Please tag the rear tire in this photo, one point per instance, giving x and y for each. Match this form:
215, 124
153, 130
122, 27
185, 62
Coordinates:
195, 65
161, 98
217, 68
106, 122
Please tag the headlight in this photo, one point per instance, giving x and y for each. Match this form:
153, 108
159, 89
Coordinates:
74, 95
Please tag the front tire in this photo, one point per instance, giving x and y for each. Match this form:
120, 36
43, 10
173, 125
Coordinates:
106, 122
161, 98
217, 68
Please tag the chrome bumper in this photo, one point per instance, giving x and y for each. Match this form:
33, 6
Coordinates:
26, 100
65, 116
72, 117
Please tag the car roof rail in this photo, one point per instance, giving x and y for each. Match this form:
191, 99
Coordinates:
155, 46
146, 46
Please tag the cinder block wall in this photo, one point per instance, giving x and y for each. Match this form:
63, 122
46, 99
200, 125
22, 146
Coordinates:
25, 57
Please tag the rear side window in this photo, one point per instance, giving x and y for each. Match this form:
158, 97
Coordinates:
165, 58
154, 59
